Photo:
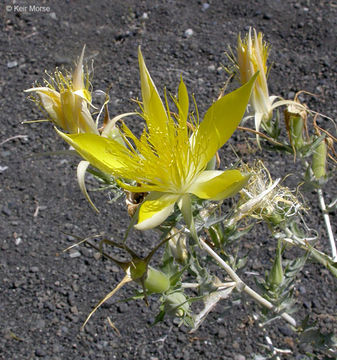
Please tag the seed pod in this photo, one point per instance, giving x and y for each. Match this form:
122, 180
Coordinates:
176, 304
319, 160
156, 281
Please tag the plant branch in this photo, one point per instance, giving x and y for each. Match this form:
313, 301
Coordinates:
327, 224
325, 216
241, 286
261, 135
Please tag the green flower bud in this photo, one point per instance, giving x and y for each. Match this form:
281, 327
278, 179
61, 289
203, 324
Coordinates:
319, 160
156, 281
138, 269
178, 246
296, 130
176, 304
275, 218
276, 275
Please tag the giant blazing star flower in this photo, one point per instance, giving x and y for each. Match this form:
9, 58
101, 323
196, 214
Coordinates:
169, 161
67, 99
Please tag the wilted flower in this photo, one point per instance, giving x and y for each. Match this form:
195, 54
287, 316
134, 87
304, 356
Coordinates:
67, 99
167, 160
264, 198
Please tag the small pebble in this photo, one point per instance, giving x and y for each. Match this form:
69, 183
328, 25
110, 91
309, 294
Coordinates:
18, 241
97, 256
53, 15
34, 269
205, 6
74, 310
6, 211
40, 353
12, 64
188, 33
267, 16
74, 254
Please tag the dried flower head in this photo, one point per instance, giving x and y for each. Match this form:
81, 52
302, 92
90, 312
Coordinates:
264, 198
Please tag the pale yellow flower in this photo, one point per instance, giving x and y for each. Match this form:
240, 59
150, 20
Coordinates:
252, 56
67, 100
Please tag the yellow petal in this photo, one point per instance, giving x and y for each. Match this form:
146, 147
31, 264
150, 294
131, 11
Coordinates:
81, 170
218, 185
183, 101
154, 110
69, 111
155, 210
220, 121
85, 121
105, 154
78, 82
50, 101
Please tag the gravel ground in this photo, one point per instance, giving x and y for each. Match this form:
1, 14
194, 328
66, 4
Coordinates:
46, 294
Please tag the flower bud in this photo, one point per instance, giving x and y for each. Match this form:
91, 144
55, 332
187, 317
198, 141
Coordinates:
156, 281
319, 160
296, 126
178, 247
138, 269
176, 304
276, 275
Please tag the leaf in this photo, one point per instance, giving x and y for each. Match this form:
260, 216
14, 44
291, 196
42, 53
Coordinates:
210, 301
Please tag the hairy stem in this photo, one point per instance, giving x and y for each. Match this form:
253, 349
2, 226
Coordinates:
241, 286
327, 224
325, 216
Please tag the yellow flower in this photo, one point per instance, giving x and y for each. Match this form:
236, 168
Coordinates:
66, 101
252, 57
167, 160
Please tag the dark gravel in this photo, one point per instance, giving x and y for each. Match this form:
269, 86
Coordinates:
45, 294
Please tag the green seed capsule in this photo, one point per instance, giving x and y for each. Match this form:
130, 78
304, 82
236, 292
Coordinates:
156, 281
319, 160
176, 304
